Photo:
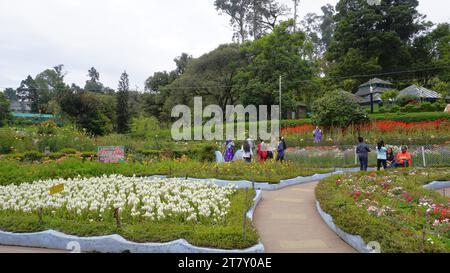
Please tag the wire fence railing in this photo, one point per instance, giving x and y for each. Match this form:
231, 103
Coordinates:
346, 156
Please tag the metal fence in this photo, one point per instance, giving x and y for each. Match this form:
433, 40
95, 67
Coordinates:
345, 155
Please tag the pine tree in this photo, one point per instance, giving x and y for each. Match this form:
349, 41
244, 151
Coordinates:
122, 110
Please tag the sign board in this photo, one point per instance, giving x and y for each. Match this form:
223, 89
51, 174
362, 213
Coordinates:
447, 110
56, 189
111, 154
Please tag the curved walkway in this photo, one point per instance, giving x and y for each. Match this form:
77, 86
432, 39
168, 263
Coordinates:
16, 249
288, 222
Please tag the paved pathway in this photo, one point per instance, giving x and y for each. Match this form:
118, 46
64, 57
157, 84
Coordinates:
288, 222
15, 249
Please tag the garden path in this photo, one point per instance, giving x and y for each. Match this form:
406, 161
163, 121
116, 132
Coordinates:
15, 249
288, 222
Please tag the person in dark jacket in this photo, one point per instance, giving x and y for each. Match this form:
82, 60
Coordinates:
281, 149
363, 150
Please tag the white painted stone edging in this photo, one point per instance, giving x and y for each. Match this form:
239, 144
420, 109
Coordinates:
354, 241
437, 185
266, 185
117, 244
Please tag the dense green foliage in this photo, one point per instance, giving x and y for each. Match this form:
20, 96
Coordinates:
338, 109
5, 112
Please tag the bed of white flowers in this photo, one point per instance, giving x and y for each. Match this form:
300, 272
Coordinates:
146, 199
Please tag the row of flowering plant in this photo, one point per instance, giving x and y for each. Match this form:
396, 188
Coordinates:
392, 208
95, 198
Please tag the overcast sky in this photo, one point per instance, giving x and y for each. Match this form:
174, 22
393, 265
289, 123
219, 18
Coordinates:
139, 36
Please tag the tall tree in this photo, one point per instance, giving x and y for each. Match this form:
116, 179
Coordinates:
251, 18
5, 111
182, 63
210, 76
93, 74
11, 94
377, 36
279, 53
122, 111
238, 11
94, 84
28, 92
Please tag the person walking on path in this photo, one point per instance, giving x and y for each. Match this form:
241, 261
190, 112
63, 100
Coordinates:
381, 155
363, 150
317, 133
281, 149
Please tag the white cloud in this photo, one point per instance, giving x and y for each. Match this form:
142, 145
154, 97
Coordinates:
138, 36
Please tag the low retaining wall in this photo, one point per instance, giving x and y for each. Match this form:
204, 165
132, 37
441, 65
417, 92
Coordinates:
115, 243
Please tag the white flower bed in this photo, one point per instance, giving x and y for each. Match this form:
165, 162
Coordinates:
155, 199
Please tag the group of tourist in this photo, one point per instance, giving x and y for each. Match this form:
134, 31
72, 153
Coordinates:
385, 156
264, 151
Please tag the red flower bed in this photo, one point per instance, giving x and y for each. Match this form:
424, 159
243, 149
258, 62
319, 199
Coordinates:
388, 125
382, 125
298, 129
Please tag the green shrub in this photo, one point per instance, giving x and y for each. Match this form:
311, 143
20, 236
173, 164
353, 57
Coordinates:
55, 156
338, 109
7, 139
427, 107
407, 99
33, 156
68, 151
411, 117
395, 109
411, 108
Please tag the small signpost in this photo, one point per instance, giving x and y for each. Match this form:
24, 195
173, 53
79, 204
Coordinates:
56, 189
111, 154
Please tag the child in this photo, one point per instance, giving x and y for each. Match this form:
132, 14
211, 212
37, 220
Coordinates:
390, 158
363, 151
381, 155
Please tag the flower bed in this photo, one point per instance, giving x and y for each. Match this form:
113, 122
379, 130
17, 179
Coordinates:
13, 172
393, 132
149, 210
391, 208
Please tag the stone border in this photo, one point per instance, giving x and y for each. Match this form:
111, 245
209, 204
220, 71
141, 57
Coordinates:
437, 185
240, 184
117, 244
356, 241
